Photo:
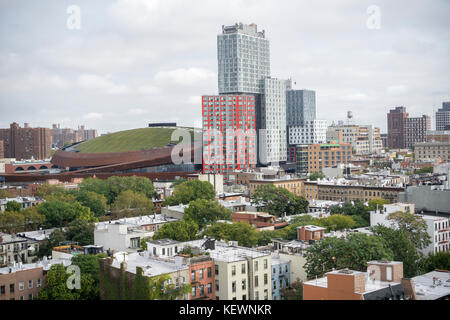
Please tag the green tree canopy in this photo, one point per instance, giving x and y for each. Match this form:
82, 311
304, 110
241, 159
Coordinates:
94, 201
245, 234
13, 206
130, 203
182, 230
279, 201
191, 190
204, 212
414, 227
316, 175
437, 261
60, 213
46, 245
352, 252
81, 231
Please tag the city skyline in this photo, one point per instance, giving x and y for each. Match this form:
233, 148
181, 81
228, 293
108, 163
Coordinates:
108, 75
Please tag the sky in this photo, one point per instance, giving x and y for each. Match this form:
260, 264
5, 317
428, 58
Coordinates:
132, 62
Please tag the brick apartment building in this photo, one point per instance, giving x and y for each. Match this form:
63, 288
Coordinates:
201, 271
310, 232
256, 219
404, 131
315, 157
21, 284
26, 142
382, 281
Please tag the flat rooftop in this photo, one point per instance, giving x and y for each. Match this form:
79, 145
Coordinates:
150, 266
426, 290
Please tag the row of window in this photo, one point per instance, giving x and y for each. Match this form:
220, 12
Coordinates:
21, 286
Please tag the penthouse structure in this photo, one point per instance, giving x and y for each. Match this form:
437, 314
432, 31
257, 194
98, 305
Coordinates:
26, 142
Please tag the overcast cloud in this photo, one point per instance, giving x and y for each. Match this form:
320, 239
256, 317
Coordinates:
139, 61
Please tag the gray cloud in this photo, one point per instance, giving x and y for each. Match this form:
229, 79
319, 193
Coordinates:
136, 61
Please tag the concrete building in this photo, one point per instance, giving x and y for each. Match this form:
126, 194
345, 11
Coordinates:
229, 135
315, 157
396, 128
272, 144
243, 59
415, 129
300, 107
365, 139
311, 132
437, 136
126, 234
426, 151
62, 136
281, 276
437, 227
429, 199
443, 117
382, 281
26, 142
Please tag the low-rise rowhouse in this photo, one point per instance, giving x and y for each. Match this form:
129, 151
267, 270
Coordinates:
127, 233
15, 249
292, 185
281, 276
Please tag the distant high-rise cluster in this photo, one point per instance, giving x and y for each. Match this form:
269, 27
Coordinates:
405, 131
63, 136
25, 143
443, 117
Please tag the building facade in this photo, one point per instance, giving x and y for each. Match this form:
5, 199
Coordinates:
311, 132
62, 136
365, 139
443, 117
229, 135
300, 107
415, 129
315, 157
281, 276
396, 127
26, 142
424, 151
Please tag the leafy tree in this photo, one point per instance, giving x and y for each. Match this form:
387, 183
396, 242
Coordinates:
190, 190
377, 203
414, 227
437, 261
359, 212
94, 201
294, 292
402, 247
316, 175
130, 203
11, 221
56, 286
90, 264
5, 194
59, 213
245, 234
178, 181
279, 201
336, 222
13, 206
204, 212
46, 245
45, 190
182, 230
81, 231
352, 252
32, 218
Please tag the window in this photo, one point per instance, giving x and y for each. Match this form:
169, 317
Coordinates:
266, 278
30, 284
233, 270
201, 273
256, 295
217, 285
21, 286
194, 292
209, 286
30, 296
389, 274
256, 265
11, 288
216, 269
243, 284
193, 275
209, 272
202, 290
265, 263
233, 286
2, 290
256, 281
22, 298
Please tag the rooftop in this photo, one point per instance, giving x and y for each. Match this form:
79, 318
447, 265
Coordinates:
427, 290
150, 266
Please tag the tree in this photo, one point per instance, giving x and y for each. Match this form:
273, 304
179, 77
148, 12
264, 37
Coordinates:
5, 194
32, 218
359, 212
182, 230
279, 201
190, 190
414, 227
11, 221
94, 201
56, 286
204, 212
13, 206
45, 190
81, 231
130, 203
316, 175
402, 247
336, 222
90, 264
59, 213
437, 261
294, 292
54, 240
377, 203
352, 252
245, 234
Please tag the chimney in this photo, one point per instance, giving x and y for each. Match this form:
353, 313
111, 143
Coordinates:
409, 289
